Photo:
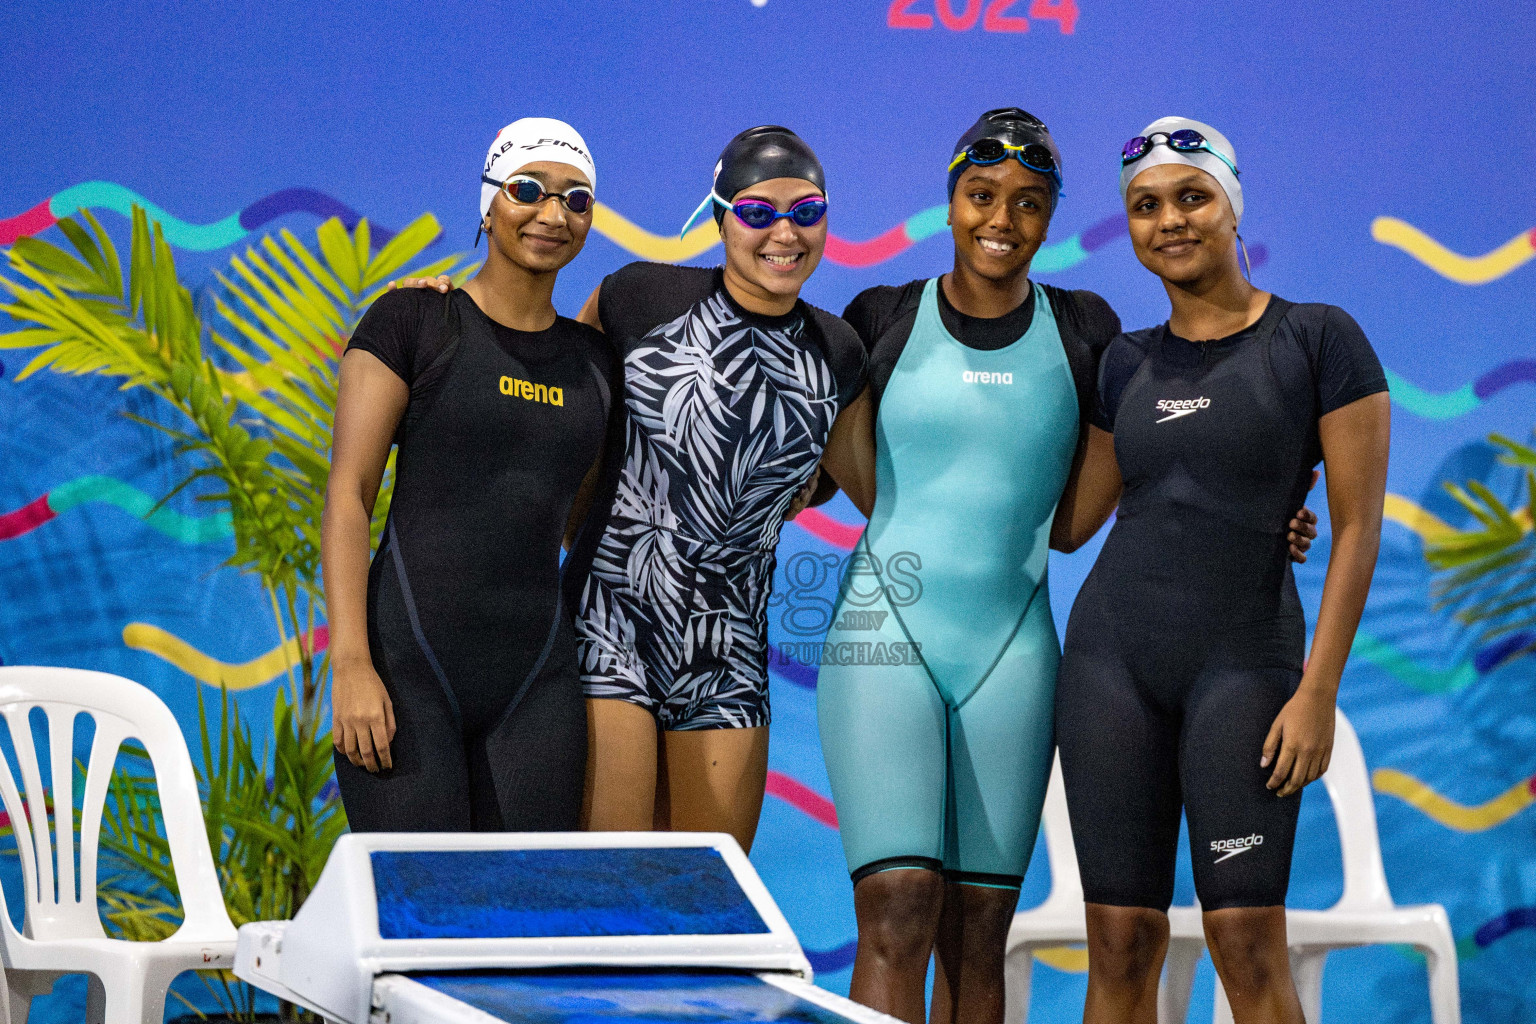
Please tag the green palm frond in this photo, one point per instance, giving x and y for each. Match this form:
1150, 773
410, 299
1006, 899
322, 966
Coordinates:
250, 402
1488, 574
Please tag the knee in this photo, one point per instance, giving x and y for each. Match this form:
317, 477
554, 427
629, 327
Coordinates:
1126, 944
1248, 947
898, 913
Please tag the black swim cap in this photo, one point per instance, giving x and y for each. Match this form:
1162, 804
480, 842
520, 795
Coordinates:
760, 154
1013, 127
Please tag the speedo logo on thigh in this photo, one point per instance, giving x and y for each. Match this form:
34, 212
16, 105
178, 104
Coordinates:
982, 377
1176, 407
1232, 847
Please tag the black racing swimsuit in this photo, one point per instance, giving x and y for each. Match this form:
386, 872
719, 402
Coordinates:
1187, 638
465, 622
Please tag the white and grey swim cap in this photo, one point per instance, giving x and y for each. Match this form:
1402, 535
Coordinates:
529, 140
1219, 160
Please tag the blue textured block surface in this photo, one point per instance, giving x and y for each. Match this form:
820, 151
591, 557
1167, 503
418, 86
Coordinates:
483, 894
571, 998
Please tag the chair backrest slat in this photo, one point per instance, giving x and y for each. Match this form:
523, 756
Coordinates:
110, 733
1354, 809
19, 719
120, 709
61, 771
1066, 883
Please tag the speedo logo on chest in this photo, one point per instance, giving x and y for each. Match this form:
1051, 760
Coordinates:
982, 377
529, 391
1176, 407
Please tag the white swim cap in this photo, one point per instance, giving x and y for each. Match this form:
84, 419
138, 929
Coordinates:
1222, 167
529, 140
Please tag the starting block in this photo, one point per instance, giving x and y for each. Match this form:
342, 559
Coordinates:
480, 928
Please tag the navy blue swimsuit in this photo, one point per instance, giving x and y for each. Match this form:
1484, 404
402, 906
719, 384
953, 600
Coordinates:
1187, 638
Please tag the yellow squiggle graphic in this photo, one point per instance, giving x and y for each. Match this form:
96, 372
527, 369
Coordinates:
1450, 813
1405, 512
1462, 269
631, 236
141, 636
1064, 958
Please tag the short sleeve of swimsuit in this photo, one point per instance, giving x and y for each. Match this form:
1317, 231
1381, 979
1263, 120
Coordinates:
1347, 367
845, 353
1343, 363
398, 330
1119, 364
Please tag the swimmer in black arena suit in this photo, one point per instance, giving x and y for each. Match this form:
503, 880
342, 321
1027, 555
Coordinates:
735, 391
456, 701
1182, 683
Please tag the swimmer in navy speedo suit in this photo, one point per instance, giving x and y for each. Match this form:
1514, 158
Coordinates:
456, 704
1183, 683
939, 746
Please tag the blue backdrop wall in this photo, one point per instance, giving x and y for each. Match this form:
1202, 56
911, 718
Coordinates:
1378, 141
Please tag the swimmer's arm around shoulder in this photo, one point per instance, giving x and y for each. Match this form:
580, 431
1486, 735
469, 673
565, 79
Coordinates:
370, 401
1092, 492
1355, 442
583, 502
850, 453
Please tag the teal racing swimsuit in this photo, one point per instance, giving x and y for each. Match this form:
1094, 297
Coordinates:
938, 678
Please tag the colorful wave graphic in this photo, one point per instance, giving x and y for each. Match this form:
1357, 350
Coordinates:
141, 636
109, 195
112, 491
1447, 812
1469, 270
605, 220
1448, 405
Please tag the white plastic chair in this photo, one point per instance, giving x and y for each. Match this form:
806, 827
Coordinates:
1060, 919
62, 934
1364, 915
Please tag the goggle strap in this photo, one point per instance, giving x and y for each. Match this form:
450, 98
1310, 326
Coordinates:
711, 198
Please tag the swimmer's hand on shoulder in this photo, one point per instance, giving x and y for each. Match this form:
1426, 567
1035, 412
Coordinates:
1303, 528
804, 496
1300, 742
442, 282
362, 715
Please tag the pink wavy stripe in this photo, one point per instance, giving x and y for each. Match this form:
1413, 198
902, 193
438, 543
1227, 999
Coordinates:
823, 527
802, 798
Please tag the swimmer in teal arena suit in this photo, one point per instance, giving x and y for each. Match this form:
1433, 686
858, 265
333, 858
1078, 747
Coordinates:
938, 679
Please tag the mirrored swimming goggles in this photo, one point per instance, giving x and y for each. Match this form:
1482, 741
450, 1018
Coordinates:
528, 191
1185, 140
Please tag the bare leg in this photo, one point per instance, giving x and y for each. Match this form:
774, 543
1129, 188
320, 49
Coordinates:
1126, 946
898, 914
621, 767
972, 938
1248, 948
714, 781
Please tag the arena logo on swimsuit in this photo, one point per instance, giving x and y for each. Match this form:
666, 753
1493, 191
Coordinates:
982, 377
532, 392
1232, 847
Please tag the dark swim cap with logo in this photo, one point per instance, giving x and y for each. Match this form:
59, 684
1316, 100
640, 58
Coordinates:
1013, 127
760, 154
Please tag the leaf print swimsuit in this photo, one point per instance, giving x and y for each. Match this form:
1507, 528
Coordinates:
725, 415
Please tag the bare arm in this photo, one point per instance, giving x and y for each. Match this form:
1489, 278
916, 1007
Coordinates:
369, 403
588, 314
1355, 444
850, 453
1092, 492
